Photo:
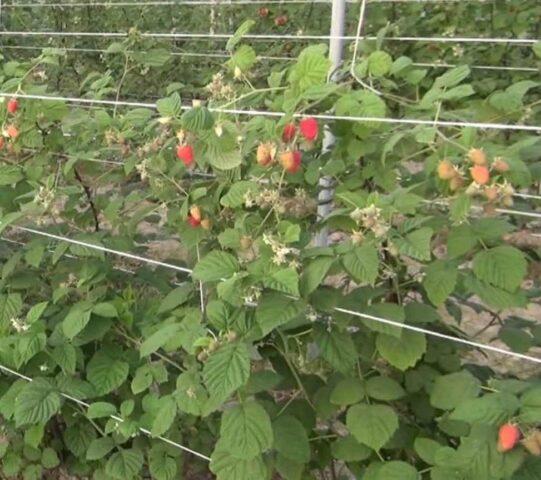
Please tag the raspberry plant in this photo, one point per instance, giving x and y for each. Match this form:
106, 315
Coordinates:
252, 359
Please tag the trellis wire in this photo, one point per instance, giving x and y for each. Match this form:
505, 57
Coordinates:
277, 58
337, 309
265, 113
180, 3
227, 36
113, 417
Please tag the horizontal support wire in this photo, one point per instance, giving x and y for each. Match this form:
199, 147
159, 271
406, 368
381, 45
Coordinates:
337, 309
113, 417
271, 37
221, 3
265, 113
263, 57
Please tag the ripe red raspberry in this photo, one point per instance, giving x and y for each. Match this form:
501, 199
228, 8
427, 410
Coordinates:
290, 130
13, 105
508, 437
309, 128
185, 153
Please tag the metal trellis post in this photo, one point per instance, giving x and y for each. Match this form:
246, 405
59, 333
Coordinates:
336, 47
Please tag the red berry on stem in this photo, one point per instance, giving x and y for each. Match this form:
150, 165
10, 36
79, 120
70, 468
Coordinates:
508, 437
185, 153
309, 128
13, 105
290, 130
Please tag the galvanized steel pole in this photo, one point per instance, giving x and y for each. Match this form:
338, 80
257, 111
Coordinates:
336, 47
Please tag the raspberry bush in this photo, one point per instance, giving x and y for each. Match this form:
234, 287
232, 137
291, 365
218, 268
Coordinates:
254, 359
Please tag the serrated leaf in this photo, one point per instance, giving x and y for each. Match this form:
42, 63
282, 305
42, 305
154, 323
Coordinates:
215, 266
239, 33
372, 425
403, 352
504, 267
190, 394
170, 106
347, 392
99, 448
440, 281
161, 465
452, 389
492, 409
311, 68
416, 244
227, 467
106, 373
164, 416
197, 119
246, 430
384, 388
124, 464
100, 410
284, 280
158, 339
314, 273
393, 470
37, 402
337, 348
388, 311
235, 196
350, 450
362, 264
35, 313
379, 63
291, 439
76, 319
227, 370
530, 410
275, 310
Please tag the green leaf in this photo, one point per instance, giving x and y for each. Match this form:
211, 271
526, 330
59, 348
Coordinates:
105, 309
495, 297
227, 467
291, 439
416, 244
197, 119
452, 77
100, 410
106, 373
493, 409
275, 310
372, 425
164, 415
537, 49
362, 264
452, 389
49, 458
350, 450
388, 311
337, 348
175, 298
65, 356
426, 448
239, 33
246, 430
234, 198
37, 402
311, 68
158, 339
10, 306
440, 281
190, 395
530, 410
161, 465
170, 106
403, 352
379, 63
384, 388
285, 280
35, 313
347, 392
394, 470
504, 267
10, 174
244, 58
227, 370
124, 464
76, 319
215, 266
314, 273
99, 448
